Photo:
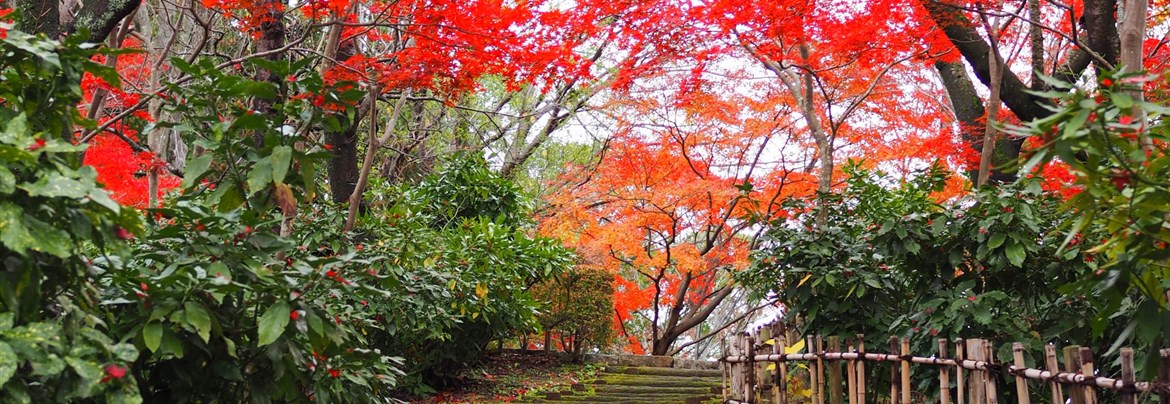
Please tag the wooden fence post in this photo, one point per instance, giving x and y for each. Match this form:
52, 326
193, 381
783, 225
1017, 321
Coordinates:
765, 376
895, 379
989, 377
782, 369
734, 373
835, 396
851, 375
723, 366
1072, 364
1088, 370
905, 371
944, 376
960, 382
1128, 396
976, 387
1054, 367
820, 370
861, 385
777, 340
1021, 382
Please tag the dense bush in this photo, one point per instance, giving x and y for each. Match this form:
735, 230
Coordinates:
463, 263
54, 219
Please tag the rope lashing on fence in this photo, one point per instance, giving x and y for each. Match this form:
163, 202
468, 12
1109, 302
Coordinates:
1030, 373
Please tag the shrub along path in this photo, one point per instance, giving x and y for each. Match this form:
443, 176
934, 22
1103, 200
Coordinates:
640, 384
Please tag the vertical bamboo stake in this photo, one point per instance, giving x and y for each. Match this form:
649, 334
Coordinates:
1164, 371
782, 369
989, 377
723, 365
812, 371
861, 369
1072, 363
895, 378
851, 376
765, 376
1050, 363
1088, 371
778, 338
1021, 382
976, 386
835, 396
733, 369
820, 370
905, 371
960, 383
1127, 376
944, 376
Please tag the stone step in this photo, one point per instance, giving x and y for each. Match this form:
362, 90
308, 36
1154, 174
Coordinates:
712, 373
615, 398
661, 381
650, 390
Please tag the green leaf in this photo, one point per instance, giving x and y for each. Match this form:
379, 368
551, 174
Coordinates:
260, 176
13, 234
198, 317
152, 335
1015, 253
281, 156
996, 240
8, 361
196, 168
272, 323
7, 181
58, 186
1121, 100
49, 239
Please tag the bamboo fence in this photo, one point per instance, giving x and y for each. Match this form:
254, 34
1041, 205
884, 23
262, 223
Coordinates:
756, 369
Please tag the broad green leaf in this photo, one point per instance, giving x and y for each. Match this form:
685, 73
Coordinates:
996, 240
1121, 100
58, 186
8, 361
7, 181
152, 335
198, 317
260, 176
49, 239
272, 323
195, 170
13, 233
281, 157
1015, 253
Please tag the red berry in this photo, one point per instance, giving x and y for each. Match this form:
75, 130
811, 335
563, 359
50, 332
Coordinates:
40, 143
294, 315
122, 233
335, 373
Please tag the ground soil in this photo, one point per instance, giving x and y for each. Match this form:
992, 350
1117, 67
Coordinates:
508, 376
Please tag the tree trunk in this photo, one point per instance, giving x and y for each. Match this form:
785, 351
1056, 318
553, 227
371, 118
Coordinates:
271, 38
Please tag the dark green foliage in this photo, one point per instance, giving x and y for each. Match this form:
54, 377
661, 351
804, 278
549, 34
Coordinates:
463, 263
53, 346
579, 312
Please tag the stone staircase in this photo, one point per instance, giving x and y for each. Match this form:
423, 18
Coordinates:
641, 384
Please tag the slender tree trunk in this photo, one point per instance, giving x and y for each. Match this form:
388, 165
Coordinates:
1133, 30
272, 31
989, 135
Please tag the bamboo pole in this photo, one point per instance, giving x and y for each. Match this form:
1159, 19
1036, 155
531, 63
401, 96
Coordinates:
1127, 375
1088, 370
977, 387
777, 339
851, 376
835, 396
1054, 367
861, 370
820, 371
783, 368
1021, 381
944, 376
990, 378
1072, 361
812, 371
723, 365
894, 377
905, 371
960, 383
